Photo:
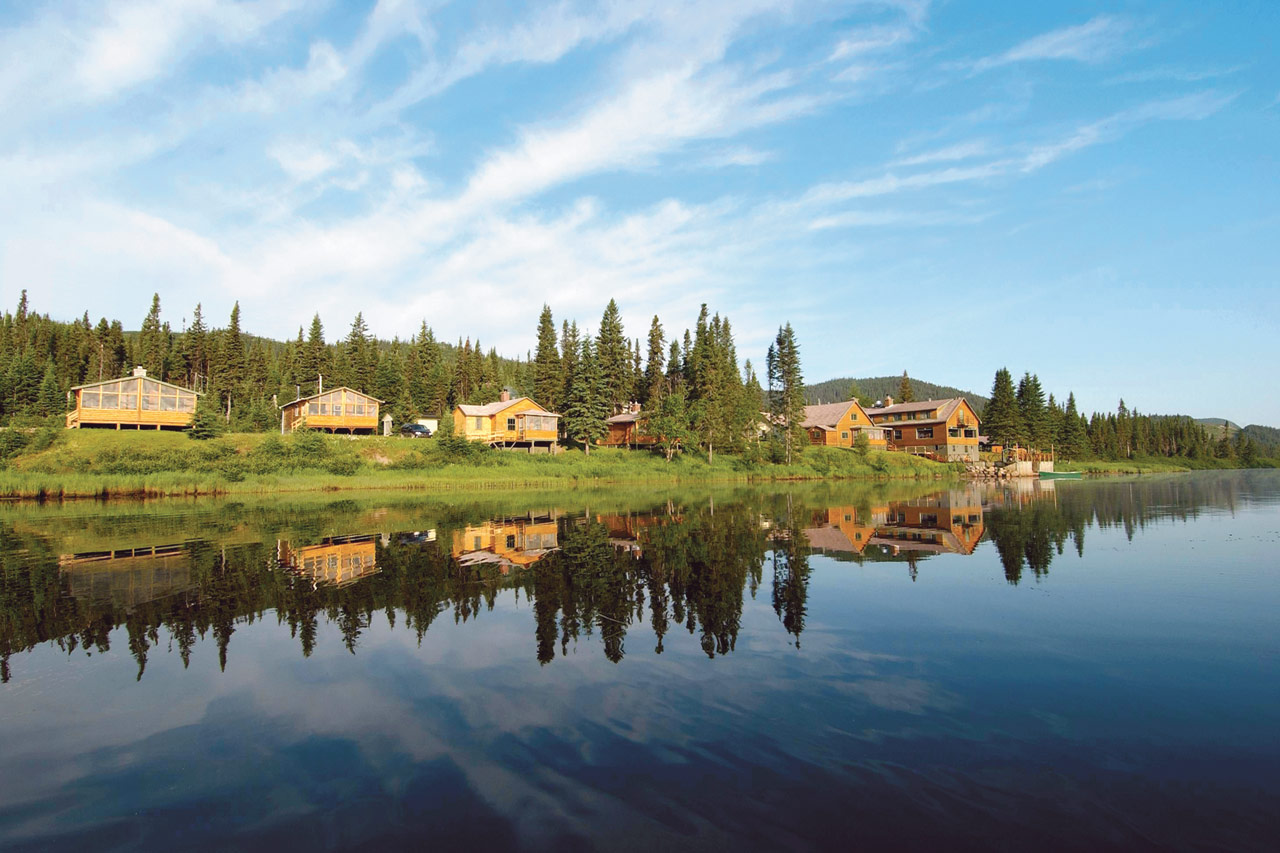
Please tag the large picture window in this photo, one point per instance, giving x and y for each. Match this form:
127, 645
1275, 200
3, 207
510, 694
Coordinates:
924, 432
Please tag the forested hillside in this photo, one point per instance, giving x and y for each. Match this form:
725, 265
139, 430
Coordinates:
878, 387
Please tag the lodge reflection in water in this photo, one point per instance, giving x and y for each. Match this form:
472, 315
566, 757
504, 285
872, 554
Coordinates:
586, 573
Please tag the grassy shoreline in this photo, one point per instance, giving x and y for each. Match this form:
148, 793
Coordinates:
109, 464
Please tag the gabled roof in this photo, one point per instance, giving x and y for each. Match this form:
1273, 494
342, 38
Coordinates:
330, 391
144, 378
624, 418
827, 415
945, 409
490, 409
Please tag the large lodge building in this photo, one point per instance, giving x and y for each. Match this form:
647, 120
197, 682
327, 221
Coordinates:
946, 430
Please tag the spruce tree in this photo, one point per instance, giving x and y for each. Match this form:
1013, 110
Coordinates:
151, 342
905, 394
361, 357
588, 403
654, 375
786, 389
614, 357
50, 400
1073, 433
1001, 419
1031, 407
548, 378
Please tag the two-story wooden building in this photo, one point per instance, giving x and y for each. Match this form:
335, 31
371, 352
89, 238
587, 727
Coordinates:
337, 560
516, 424
342, 409
135, 402
946, 430
838, 425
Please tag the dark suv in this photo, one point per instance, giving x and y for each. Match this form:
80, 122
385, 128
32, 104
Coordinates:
415, 431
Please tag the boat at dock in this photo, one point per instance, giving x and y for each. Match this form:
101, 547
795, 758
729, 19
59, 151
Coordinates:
1061, 475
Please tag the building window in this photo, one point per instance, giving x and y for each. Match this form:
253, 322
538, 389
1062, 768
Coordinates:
511, 424
897, 435
844, 434
337, 410
511, 537
479, 424
971, 433
954, 433
924, 432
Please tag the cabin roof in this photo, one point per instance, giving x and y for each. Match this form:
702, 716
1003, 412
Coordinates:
826, 415
624, 418
147, 378
489, 409
829, 539
944, 407
330, 391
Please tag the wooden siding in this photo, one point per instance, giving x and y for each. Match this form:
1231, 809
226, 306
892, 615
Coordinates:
339, 561
626, 435
512, 542
341, 409
905, 433
844, 433
135, 401
508, 426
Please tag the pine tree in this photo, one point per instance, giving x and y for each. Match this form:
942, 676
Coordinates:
314, 361
361, 356
856, 393
50, 400
905, 394
588, 403
615, 360
786, 389
1073, 432
232, 358
1001, 419
195, 350
668, 421
570, 349
548, 380
151, 342
1031, 407
654, 375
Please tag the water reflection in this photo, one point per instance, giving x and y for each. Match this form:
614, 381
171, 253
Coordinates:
598, 575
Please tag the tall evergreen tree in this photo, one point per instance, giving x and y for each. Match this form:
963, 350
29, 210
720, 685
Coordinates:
151, 342
361, 357
1001, 419
588, 404
1031, 407
654, 373
548, 380
786, 389
614, 357
905, 392
1073, 433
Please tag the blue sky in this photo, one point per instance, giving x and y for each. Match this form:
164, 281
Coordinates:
1084, 190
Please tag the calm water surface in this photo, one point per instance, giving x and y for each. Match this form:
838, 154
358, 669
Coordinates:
1079, 665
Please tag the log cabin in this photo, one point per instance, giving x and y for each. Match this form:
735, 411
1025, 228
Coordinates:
134, 402
838, 425
342, 409
946, 430
624, 431
519, 424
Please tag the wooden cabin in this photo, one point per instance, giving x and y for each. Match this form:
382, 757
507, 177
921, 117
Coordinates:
343, 409
129, 577
507, 542
624, 431
515, 424
338, 560
838, 425
946, 430
135, 402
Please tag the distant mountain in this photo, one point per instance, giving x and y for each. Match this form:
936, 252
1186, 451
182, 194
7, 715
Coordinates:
1219, 424
1265, 437
879, 387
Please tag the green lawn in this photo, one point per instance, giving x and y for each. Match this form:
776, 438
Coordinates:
106, 463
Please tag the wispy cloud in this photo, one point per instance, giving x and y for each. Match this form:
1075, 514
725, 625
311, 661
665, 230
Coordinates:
1095, 41
1175, 75
959, 151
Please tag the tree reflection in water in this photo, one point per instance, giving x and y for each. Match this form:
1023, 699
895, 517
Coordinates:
586, 574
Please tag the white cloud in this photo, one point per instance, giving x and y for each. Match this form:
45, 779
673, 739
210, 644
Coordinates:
959, 151
1094, 41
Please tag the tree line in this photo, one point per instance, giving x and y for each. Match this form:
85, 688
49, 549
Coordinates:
1022, 415
692, 388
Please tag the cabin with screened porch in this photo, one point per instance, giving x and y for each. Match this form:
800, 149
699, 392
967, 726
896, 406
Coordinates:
135, 402
839, 424
519, 424
946, 430
340, 410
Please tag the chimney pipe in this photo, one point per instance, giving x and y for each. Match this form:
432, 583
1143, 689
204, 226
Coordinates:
888, 401
139, 371
505, 396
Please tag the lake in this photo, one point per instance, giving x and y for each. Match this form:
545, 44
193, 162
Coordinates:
1072, 665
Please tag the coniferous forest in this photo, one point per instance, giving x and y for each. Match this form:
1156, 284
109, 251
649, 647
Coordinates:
691, 386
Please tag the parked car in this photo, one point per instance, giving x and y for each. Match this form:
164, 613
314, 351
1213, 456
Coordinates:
415, 431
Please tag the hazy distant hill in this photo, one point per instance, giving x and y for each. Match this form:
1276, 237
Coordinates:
1216, 426
879, 387
1265, 437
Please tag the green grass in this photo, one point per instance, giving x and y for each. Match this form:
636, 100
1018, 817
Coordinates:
106, 463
